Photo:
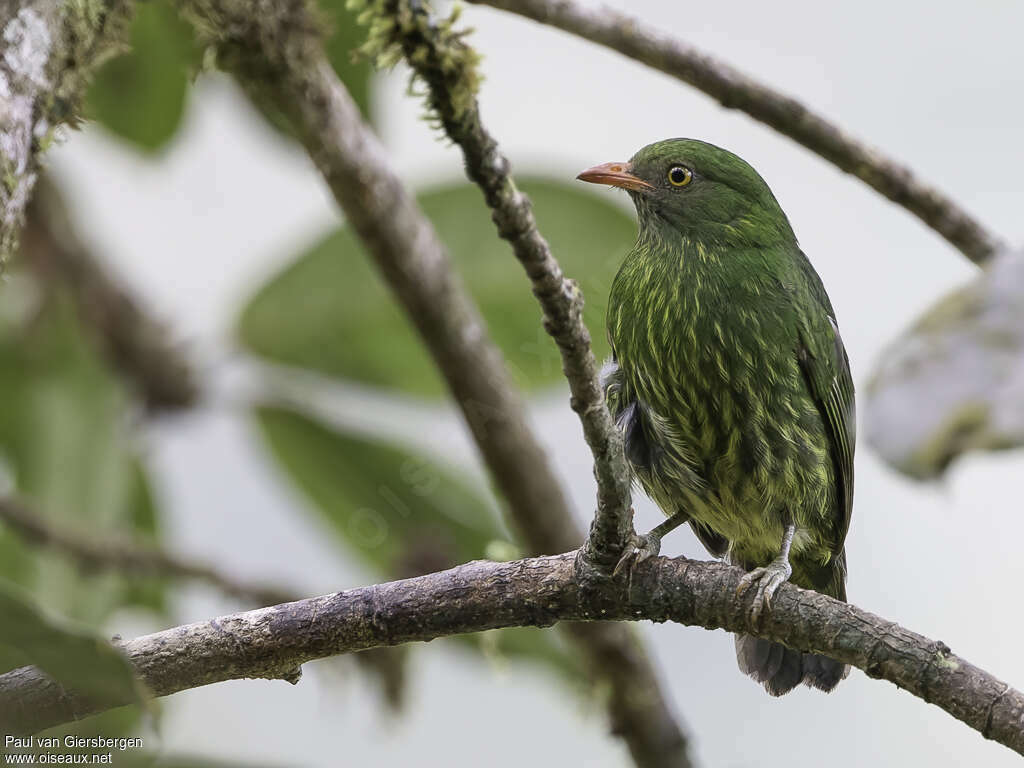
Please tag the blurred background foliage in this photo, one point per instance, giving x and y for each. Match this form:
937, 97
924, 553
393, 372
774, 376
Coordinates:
72, 405
298, 317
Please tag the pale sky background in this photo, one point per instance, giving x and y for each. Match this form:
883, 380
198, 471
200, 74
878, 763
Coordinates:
937, 84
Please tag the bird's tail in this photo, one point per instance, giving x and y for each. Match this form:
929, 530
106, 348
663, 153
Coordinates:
781, 669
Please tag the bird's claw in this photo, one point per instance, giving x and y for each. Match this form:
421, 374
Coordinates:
638, 549
767, 579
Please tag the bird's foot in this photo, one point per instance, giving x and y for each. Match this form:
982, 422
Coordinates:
638, 548
767, 579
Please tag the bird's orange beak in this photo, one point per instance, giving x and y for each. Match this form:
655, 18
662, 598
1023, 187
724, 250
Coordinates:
614, 175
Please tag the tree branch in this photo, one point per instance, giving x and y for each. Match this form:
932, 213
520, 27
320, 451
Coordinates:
130, 557
275, 53
278, 53
437, 54
136, 345
273, 642
50, 50
735, 90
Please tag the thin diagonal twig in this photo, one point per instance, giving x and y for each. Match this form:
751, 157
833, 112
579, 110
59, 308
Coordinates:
275, 53
445, 63
128, 556
137, 345
736, 90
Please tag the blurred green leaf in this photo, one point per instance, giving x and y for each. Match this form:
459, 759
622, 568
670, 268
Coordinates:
403, 514
16, 560
120, 721
393, 509
64, 443
329, 310
533, 644
11, 658
344, 36
140, 96
149, 592
73, 657
64, 440
387, 667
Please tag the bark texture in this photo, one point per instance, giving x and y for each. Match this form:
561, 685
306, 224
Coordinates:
50, 48
446, 64
274, 642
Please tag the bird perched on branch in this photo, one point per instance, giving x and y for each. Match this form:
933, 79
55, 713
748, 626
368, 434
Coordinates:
731, 385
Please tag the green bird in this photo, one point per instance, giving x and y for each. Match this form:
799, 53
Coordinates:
731, 385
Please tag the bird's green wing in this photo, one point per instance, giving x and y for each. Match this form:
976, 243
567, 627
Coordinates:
826, 367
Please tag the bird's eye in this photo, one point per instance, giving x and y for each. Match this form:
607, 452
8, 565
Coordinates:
678, 176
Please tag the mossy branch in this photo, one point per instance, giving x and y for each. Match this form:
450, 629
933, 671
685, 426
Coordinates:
735, 90
50, 51
440, 58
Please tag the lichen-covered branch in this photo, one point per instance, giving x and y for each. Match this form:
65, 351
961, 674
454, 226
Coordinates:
49, 51
128, 557
275, 53
440, 58
735, 90
138, 346
274, 642
953, 382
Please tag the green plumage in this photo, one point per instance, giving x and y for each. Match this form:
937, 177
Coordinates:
730, 379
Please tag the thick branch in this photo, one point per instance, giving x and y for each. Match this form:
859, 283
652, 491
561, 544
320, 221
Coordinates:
274, 53
50, 50
438, 56
274, 642
137, 345
735, 90
129, 557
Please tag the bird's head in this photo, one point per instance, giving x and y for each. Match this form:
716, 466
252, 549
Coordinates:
699, 190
